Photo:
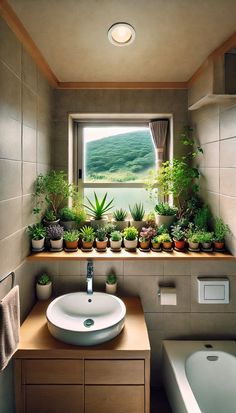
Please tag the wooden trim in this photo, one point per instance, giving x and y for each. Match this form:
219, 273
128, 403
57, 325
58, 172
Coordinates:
125, 255
21, 33
122, 85
218, 52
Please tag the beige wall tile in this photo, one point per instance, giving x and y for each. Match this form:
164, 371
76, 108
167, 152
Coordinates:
10, 217
68, 268
213, 268
177, 267
211, 155
10, 172
10, 96
215, 325
104, 267
228, 123
227, 153
29, 108
143, 267
10, 132
145, 288
176, 326
29, 71
227, 211
10, 48
210, 180
44, 147
212, 199
29, 176
60, 152
227, 181
29, 144
26, 280
9, 260
28, 217
207, 130
66, 284
155, 321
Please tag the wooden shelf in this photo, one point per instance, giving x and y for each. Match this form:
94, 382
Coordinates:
211, 99
125, 255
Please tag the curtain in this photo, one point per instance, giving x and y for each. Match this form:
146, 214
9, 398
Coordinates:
159, 130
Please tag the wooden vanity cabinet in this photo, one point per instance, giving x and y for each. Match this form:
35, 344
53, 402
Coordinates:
52, 377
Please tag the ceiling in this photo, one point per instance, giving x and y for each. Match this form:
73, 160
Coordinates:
173, 37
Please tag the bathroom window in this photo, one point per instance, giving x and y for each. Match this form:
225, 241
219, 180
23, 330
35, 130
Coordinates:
115, 158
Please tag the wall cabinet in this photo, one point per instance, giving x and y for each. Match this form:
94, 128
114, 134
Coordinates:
52, 377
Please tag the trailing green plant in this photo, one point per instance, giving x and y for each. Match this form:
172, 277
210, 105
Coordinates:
220, 229
49, 215
203, 218
119, 214
87, 233
178, 177
116, 236
101, 234
55, 232
44, 279
111, 279
71, 236
110, 228
164, 238
163, 208
67, 214
147, 233
51, 190
130, 233
206, 237
36, 231
137, 211
177, 233
98, 208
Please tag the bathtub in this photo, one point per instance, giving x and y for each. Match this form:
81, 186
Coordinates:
200, 376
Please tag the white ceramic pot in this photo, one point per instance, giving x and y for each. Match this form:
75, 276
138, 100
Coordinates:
164, 219
137, 224
38, 244
44, 292
131, 245
111, 288
56, 243
193, 245
115, 244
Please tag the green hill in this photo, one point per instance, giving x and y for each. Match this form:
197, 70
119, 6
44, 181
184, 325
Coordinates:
121, 158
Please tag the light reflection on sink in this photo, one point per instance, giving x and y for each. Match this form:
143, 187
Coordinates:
85, 320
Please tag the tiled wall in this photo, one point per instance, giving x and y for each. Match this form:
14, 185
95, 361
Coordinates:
215, 127
25, 151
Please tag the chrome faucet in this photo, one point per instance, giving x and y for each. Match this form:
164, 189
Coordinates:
89, 278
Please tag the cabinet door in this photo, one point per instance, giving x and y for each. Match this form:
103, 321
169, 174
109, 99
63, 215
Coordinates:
54, 399
115, 399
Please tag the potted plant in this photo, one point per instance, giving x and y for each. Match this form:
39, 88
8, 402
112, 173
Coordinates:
119, 216
111, 284
116, 240
55, 234
166, 241
145, 237
203, 218
51, 190
78, 210
67, 218
101, 239
193, 241
137, 212
156, 244
130, 238
165, 214
44, 287
37, 233
88, 235
178, 237
206, 239
220, 231
50, 218
98, 210
71, 239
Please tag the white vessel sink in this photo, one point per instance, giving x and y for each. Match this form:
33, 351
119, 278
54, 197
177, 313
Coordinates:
86, 320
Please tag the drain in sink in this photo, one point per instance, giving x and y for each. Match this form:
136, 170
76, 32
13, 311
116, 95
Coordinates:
88, 322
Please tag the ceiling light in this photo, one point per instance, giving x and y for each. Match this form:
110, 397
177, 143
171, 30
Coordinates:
121, 34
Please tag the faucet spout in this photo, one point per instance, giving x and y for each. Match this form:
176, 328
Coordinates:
89, 278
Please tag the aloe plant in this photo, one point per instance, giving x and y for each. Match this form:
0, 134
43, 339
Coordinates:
119, 214
137, 212
87, 233
99, 208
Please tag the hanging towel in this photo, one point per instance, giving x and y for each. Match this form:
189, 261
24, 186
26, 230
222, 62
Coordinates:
9, 325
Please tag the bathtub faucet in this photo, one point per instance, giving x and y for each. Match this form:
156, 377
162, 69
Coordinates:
89, 278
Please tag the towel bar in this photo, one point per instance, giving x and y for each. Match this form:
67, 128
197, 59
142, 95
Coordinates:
8, 275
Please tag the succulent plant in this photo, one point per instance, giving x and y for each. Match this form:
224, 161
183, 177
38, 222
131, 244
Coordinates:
99, 208
116, 236
87, 233
130, 233
147, 233
36, 231
137, 211
119, 214
43, 279
101, 234
71, 236
110, 228
55, 232
163, 208
111, 279
164, 238
177, 233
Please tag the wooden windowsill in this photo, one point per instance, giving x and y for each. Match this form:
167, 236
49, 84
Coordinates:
125, 255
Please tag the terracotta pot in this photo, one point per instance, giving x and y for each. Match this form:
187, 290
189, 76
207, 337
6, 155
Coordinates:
71, 245
116, 244
38, 244
131, 245
56, 243
219, 245
44, 292
193, 245
111, 288
144, 244
167, 245
179, 244
156, 245
87, 244
101, 245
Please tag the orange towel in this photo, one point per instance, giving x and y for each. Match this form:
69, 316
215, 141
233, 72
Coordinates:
9, 326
